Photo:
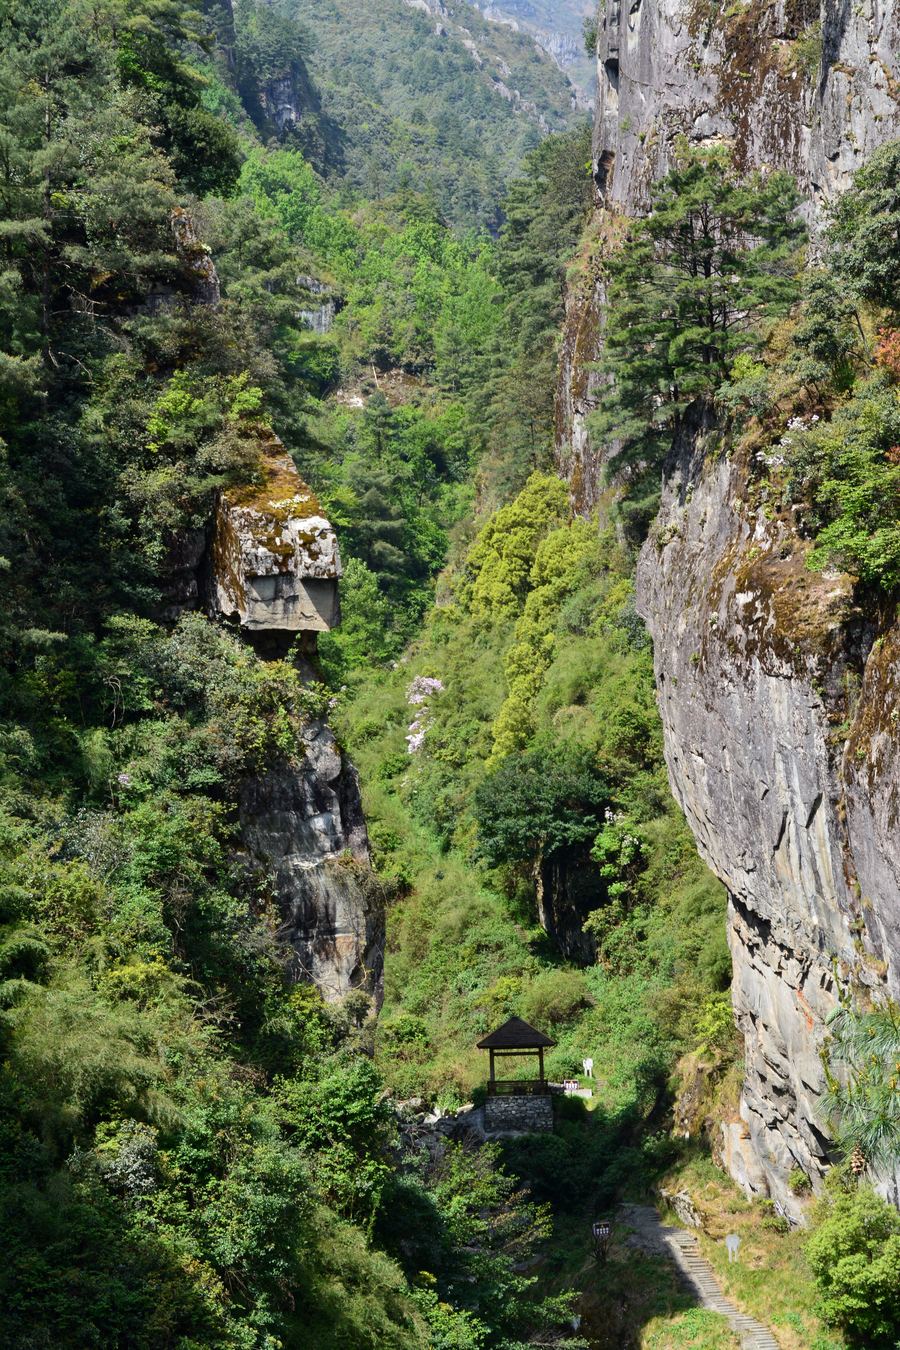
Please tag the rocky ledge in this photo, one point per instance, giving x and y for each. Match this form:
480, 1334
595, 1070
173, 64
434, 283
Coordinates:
275, 558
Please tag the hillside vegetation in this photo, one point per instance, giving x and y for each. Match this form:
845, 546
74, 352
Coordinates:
430, 97
195, 1151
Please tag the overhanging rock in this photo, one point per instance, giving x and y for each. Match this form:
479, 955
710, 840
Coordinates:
275, 558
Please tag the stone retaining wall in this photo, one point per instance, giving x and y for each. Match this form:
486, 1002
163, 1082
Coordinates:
524, 1112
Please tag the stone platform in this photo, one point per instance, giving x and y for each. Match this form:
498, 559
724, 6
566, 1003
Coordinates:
528, 1113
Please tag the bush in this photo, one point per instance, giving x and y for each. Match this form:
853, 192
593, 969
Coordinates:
538, 802
855, 1257
850, 469
555, 996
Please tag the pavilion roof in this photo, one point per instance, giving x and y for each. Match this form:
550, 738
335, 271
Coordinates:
515, 1035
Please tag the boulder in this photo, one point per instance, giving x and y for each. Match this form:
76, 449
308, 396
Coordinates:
275, 558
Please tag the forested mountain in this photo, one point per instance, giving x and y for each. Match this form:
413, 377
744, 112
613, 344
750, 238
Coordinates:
427, 96
559, 27
299, 299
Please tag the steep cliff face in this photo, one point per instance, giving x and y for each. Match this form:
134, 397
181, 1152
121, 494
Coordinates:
274, 569
777, 693
778, 687
306, 826
803, 85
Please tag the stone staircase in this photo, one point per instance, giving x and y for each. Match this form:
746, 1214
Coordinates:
650, 1234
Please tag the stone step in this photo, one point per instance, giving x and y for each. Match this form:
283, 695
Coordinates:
696, 1273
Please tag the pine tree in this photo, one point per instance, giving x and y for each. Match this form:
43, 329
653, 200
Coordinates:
689, 290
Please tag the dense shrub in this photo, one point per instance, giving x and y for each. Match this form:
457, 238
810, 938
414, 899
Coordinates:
854, 1252
690, 291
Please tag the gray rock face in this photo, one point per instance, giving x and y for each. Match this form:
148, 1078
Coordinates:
805, 85
780, 700
319, 315
195, 259
306, 826
576, 393
275, 559
777, 696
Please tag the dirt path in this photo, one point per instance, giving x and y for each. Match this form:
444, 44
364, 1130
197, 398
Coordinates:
657, 1238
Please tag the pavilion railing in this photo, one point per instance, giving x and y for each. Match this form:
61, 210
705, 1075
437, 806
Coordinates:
509, 1087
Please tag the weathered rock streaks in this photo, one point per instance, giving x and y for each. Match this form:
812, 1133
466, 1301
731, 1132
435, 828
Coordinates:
770, 682
275, 556
779, 688
305, 825
799, 85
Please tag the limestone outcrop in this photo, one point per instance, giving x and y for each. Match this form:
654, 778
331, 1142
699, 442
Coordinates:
275, 557
805, 85
775, 692
779, 689
319, 313
305, 826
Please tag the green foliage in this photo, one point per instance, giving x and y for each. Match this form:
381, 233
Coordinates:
715, 1024
847, 468
283, 185
863, 231
588, 779
545, 210
555, 996
532, 805
410, 106
363, 639
826, 339
690, 290
854, 1253
562, 560
194, 1151
840, 464
462, 1222
499, 565
863, 1076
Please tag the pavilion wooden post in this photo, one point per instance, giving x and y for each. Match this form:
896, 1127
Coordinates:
514, 1039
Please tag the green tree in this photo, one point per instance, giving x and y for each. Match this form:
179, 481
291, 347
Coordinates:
863, 235
854, 1253
690, 290
847, 470
537, 802
863, 1096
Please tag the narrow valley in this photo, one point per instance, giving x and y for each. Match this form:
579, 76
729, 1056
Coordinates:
449, 778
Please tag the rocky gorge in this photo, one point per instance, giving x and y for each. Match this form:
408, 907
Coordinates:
777, 685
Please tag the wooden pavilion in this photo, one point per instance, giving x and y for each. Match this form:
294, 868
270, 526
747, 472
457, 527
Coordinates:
516, 1038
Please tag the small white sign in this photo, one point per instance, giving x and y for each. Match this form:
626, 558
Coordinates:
732, 1242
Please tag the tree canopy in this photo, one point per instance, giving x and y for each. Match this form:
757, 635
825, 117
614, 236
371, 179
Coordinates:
690, 290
